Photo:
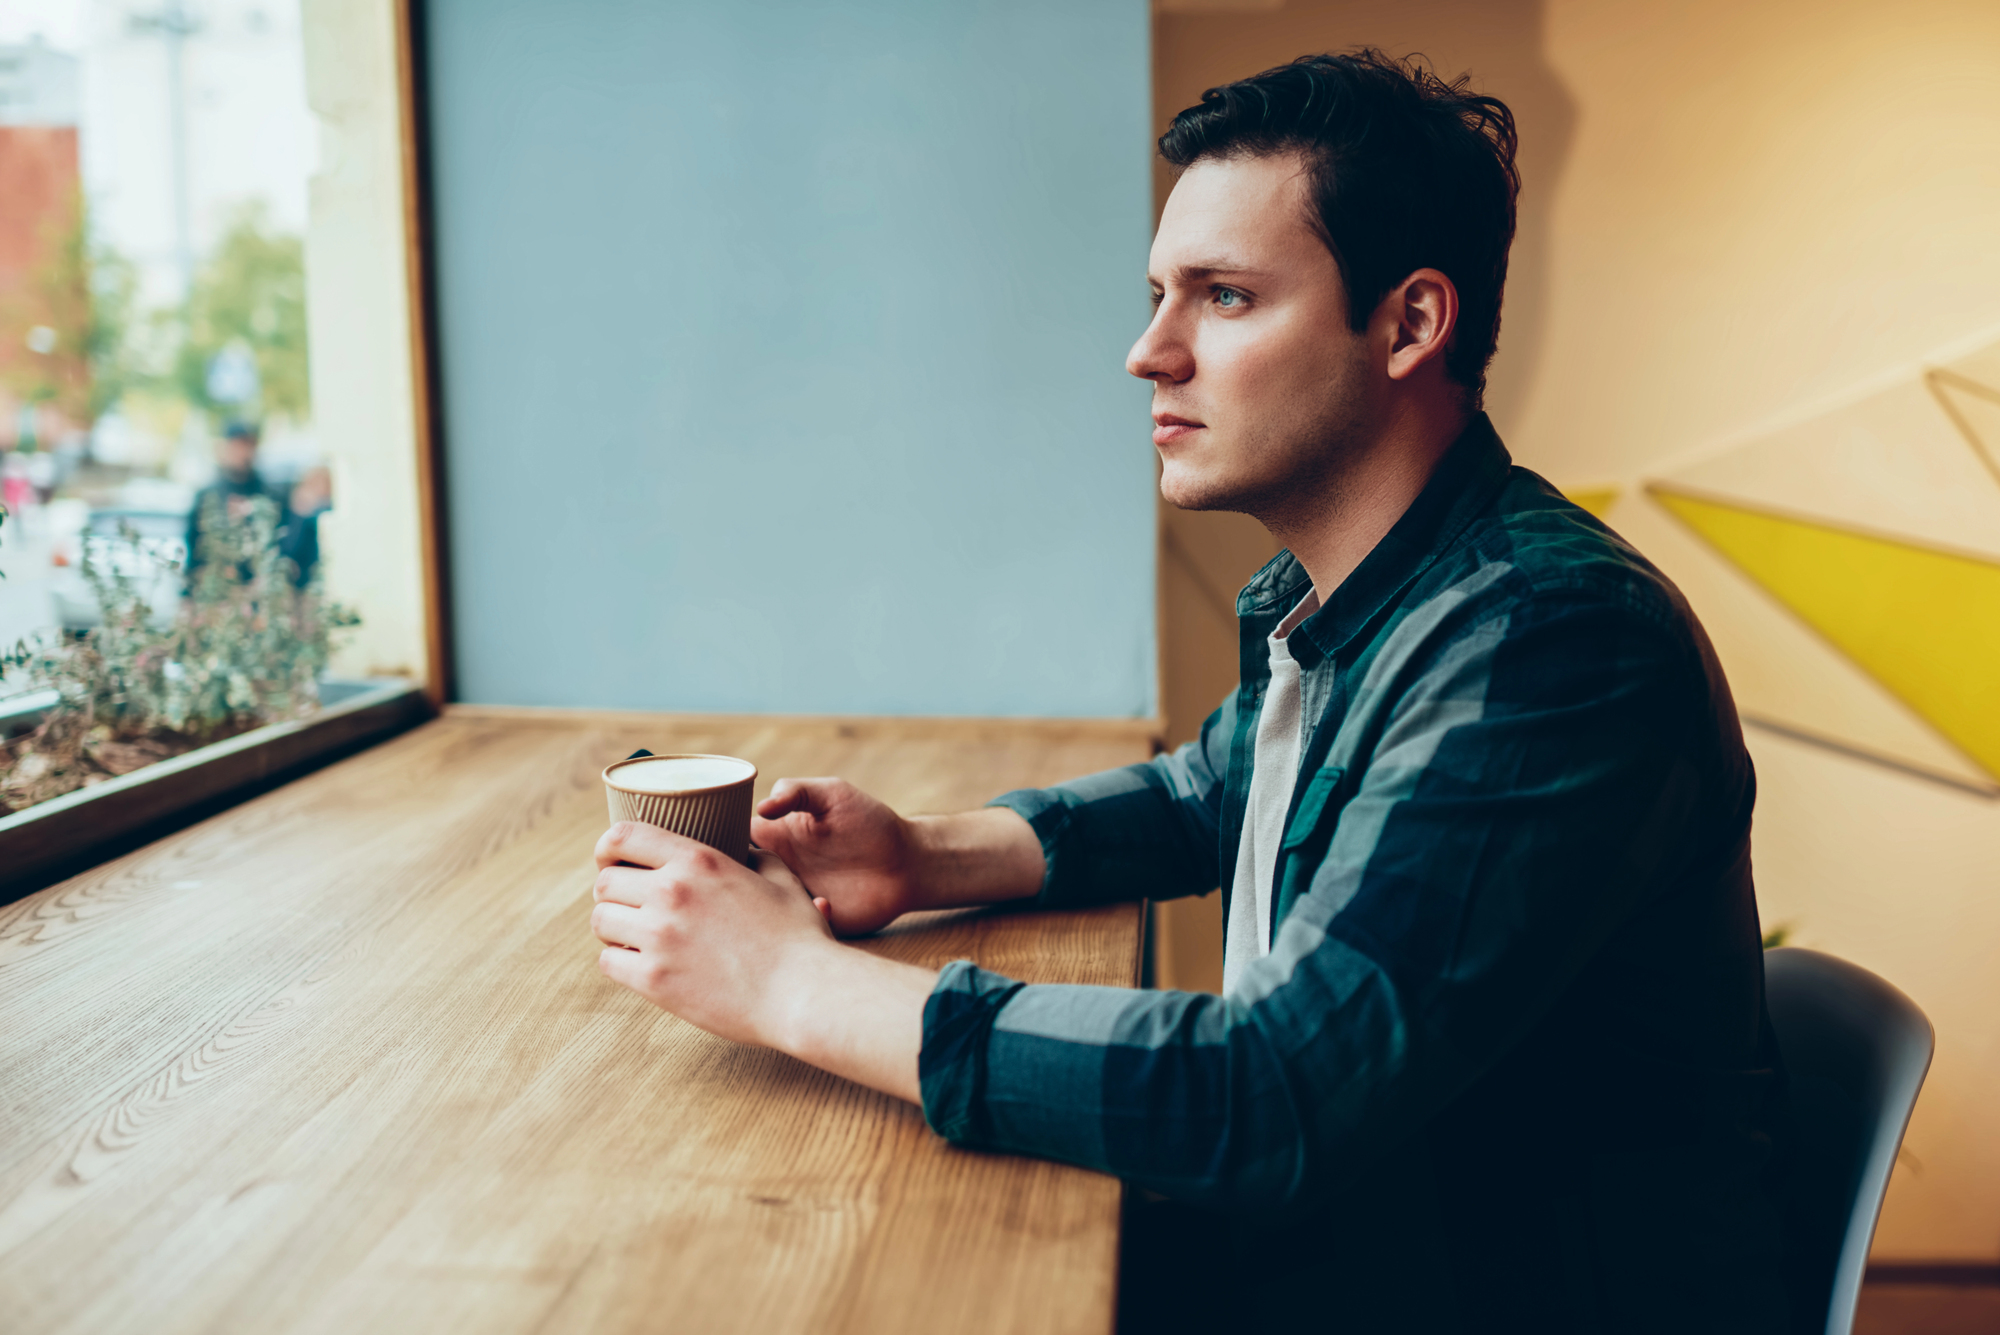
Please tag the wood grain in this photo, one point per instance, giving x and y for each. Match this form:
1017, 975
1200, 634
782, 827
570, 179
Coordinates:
340, 1059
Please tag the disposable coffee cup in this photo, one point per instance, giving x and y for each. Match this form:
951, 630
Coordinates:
703, 797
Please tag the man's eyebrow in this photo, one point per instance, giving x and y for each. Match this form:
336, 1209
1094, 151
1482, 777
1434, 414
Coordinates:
1194, 273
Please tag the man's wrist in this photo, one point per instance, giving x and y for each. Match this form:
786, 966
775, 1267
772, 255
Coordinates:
932, 863
853, 1013
975, 857
805, 977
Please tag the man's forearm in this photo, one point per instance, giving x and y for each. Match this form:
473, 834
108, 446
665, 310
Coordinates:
857, 1015
975, 857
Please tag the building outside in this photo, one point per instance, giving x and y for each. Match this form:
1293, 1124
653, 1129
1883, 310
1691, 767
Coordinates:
191, 113
43, 375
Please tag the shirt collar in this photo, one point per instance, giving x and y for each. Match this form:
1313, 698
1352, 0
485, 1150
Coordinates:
1460, 486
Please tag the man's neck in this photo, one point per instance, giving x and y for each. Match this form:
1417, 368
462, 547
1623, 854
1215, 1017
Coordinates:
1332, 529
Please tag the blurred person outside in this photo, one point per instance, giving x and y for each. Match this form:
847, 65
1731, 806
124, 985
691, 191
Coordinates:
237, 483
1492, 1052
17, 487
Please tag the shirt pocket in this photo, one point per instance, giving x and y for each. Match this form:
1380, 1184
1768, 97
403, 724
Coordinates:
1308, 837
1319, 794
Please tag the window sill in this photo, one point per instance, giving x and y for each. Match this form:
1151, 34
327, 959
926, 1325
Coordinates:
65, 835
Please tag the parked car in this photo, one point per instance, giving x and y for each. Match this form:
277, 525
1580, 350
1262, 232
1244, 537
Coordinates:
149, 546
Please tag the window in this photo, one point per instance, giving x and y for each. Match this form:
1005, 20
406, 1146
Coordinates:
209, 386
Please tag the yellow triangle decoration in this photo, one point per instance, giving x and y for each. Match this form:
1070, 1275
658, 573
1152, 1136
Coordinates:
1925, 623
1597, 500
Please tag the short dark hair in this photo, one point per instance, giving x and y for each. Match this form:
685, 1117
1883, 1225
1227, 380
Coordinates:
1406, 172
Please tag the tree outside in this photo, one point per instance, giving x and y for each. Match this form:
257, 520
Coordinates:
247, 310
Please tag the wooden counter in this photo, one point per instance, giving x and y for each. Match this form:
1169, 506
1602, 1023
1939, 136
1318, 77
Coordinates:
340, 1059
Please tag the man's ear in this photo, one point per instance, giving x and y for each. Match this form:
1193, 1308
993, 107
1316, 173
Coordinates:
1424, 309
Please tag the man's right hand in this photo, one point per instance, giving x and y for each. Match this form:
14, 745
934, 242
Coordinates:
872, 865
848, 848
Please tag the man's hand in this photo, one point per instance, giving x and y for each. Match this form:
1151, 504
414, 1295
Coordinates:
852, 850
872, 865
697, 933
746, 954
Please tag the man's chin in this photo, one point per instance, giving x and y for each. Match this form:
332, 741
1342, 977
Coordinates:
1185, 492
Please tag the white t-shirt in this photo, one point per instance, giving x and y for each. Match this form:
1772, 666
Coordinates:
1274, 771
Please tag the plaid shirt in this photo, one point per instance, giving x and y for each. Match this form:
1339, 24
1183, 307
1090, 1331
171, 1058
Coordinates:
1507, 1057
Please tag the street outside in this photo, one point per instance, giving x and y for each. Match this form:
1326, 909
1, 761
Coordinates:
27, 602
41, 543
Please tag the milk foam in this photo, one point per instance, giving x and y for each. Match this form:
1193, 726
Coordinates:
679, 774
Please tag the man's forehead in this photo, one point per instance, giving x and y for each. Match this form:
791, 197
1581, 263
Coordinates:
1234, 215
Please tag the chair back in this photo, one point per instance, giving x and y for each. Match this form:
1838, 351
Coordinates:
1855, 1051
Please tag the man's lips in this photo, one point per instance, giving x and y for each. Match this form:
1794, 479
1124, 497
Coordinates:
1168, 428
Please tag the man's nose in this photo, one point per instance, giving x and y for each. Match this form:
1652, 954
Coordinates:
1160, 355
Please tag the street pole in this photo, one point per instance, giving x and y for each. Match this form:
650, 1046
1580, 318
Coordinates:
177, 31
174, 24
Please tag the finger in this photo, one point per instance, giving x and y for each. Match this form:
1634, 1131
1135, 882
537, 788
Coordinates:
621, 885
623, 966
811, 796
617, 925
772, 868
640, 845
770, 836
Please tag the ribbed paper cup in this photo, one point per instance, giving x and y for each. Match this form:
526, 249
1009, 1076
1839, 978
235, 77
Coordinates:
718, 816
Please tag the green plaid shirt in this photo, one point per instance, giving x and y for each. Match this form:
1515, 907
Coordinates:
1506, 1064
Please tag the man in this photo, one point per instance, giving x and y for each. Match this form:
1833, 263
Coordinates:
237, 483
236, 488
1492, 1052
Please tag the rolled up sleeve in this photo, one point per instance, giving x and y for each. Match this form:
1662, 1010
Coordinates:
1141, 832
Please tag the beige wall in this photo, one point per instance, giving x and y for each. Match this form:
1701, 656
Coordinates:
357, 301
1734, 216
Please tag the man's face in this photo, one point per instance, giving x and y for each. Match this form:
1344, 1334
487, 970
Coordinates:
235, 455
1260, 388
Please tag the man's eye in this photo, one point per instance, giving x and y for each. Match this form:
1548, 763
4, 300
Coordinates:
1228, 298
1158, 297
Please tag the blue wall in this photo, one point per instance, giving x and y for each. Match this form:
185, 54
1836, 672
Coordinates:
781, 350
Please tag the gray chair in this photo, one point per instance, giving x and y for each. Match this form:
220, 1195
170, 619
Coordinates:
1855, 1052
